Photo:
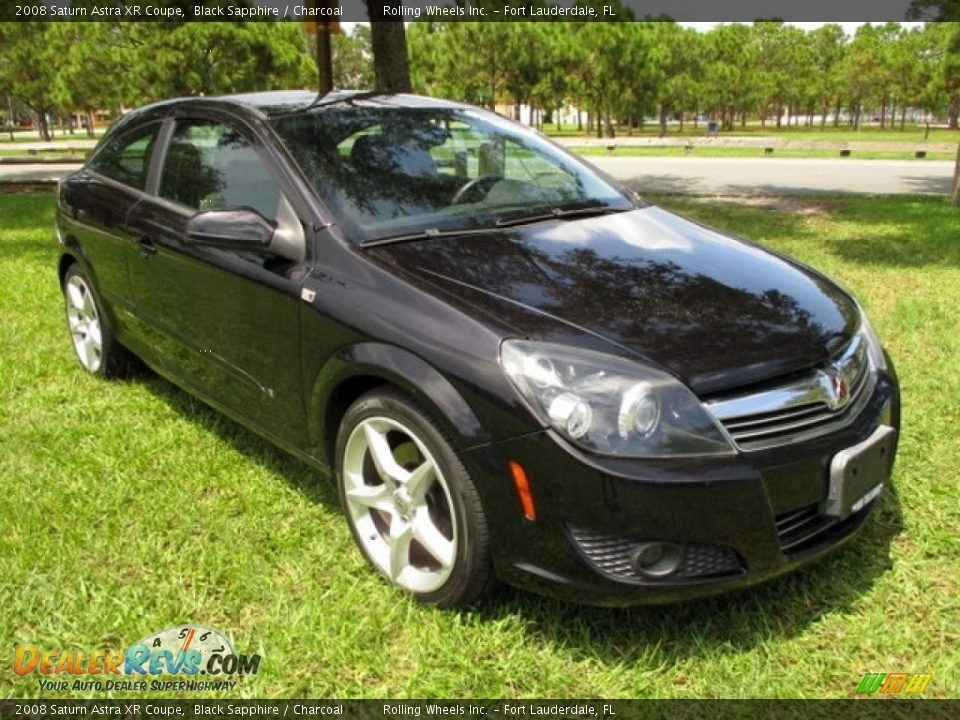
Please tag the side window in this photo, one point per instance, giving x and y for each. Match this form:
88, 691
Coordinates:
126, 156
211, 166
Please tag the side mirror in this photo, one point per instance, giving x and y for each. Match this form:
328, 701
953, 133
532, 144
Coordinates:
237, 229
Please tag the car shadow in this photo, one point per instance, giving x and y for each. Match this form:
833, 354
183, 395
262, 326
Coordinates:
308, 480
779, 609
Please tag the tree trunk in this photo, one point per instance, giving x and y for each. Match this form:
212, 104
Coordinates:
390, 63
10, 118
836, 115
823, 118
609, 125
579, 119
953, 113
883, 114
903, 117
663, 121
683, 116
43, 127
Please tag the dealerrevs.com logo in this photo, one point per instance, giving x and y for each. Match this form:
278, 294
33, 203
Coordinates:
186, 652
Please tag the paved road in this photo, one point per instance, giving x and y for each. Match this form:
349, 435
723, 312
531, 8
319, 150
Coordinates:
724, 176
34, 173
772, 176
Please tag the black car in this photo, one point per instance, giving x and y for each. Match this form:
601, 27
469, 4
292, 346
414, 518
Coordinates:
513, 367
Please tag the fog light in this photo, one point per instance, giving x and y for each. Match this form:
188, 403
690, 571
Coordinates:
656, 559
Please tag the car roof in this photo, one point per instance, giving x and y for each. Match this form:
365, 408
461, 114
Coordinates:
280, 102
276, 102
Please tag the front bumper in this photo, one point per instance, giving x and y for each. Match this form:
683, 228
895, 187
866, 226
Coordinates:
738, 521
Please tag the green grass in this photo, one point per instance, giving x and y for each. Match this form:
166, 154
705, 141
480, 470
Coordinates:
53, 154
910, 134
747, 152
33, 136
129, 507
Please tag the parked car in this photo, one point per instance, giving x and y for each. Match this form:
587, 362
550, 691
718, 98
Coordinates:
513, 367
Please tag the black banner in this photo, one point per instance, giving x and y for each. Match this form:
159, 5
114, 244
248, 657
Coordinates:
476, 10
479, 709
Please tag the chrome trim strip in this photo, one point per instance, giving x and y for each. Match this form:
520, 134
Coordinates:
826, 399
815, 389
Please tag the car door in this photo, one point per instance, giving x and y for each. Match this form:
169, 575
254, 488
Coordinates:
224, 323
95, 204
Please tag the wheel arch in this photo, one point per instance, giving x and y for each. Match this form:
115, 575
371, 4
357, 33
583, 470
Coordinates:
66, 260
362, 367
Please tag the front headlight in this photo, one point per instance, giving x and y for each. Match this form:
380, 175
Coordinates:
874, 348
611, 406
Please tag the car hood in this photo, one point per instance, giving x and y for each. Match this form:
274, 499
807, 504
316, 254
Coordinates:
715, 311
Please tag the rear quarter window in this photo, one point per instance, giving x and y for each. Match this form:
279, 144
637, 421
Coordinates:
125, 157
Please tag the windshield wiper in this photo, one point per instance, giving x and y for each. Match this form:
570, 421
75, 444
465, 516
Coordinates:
559, 214
428, 234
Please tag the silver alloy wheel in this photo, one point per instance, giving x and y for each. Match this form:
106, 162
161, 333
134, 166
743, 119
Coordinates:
400, 504
84, 322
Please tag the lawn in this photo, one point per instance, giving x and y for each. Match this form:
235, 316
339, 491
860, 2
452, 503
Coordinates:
130, 507
910, 134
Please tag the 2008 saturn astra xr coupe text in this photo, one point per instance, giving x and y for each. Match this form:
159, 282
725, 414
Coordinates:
513, 367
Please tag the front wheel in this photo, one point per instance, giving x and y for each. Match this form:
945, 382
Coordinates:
410, 503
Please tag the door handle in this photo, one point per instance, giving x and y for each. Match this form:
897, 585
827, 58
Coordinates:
147, 247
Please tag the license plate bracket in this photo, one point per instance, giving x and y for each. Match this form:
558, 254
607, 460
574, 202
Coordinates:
858, 472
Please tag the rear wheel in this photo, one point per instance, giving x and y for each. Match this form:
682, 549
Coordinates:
92, 334
410, 503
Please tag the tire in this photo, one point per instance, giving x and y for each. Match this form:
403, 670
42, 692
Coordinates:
91, 332
410, 504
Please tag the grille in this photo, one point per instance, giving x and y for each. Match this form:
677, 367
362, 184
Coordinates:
611, 555
801, 529
800, 409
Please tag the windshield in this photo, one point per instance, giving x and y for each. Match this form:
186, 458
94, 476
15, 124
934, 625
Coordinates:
387, 171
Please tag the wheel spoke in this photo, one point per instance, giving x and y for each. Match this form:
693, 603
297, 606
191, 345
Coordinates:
88, 309
401, 534
75, 322
83, 350
371, 496
95, 335
90, 351
418, 482
382, 455
430, 537
75, 296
